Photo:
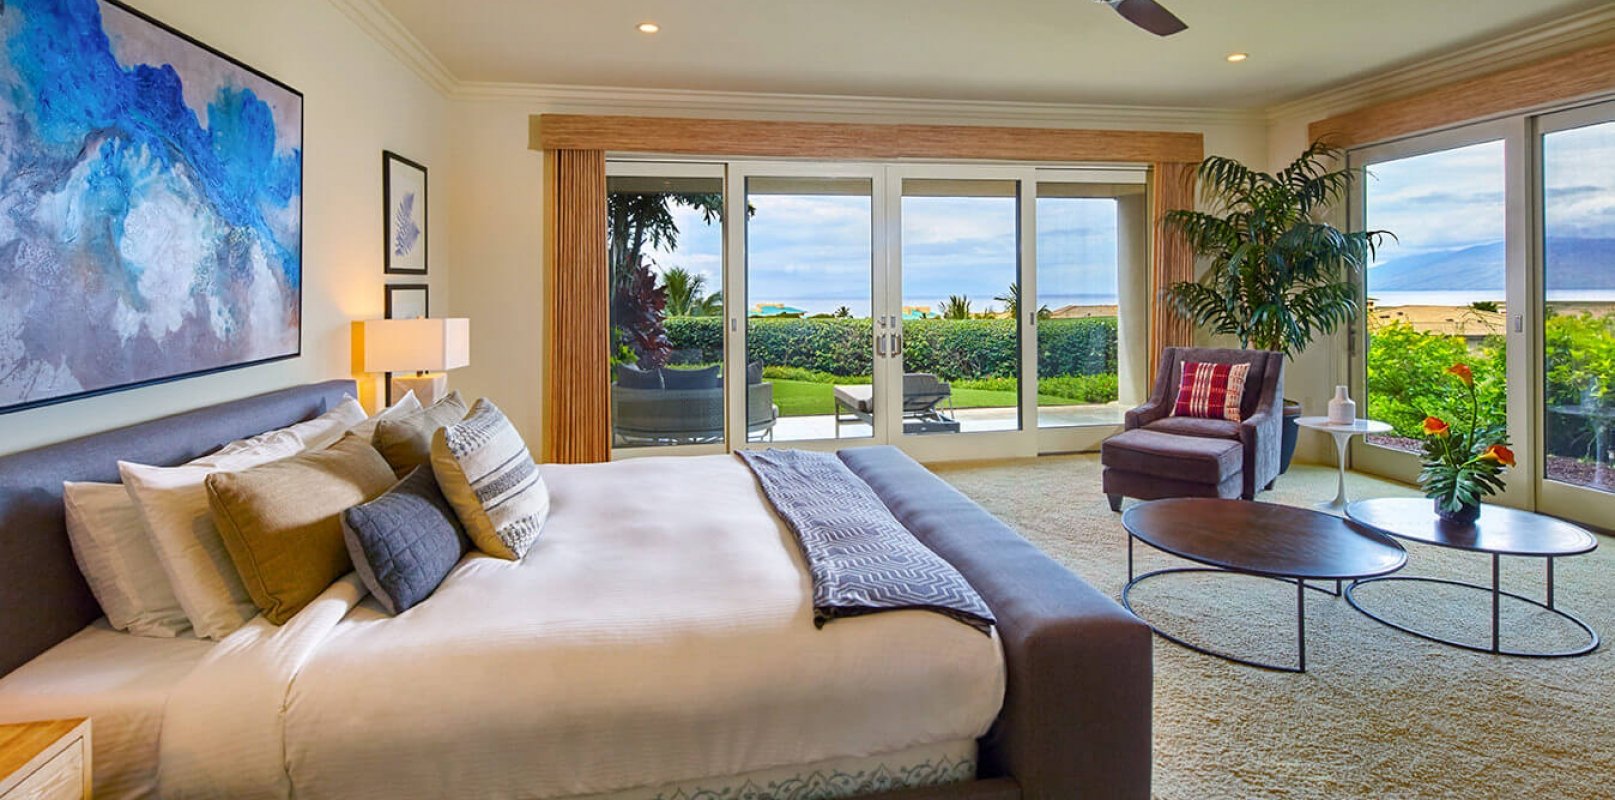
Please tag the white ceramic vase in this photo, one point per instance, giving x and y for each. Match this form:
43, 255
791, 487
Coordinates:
1342, 409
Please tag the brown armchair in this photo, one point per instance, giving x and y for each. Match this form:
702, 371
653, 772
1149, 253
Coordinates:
1260, 430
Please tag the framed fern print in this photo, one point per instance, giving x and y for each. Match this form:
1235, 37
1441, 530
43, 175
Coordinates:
403, 191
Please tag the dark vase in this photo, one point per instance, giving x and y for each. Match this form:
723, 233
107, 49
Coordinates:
1291, 433
1465, 515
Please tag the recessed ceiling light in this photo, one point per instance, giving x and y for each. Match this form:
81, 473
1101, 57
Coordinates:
648, 27
1235, 58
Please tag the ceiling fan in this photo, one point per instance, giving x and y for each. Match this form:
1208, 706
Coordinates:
1149, 15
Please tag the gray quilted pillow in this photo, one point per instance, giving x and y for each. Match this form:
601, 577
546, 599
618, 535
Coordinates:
404, 542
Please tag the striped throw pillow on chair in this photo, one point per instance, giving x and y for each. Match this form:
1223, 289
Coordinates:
1211, 391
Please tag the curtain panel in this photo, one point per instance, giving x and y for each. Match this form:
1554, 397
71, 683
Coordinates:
577, 314
1173, 187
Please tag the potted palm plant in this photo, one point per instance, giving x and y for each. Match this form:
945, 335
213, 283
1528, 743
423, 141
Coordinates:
1279, 274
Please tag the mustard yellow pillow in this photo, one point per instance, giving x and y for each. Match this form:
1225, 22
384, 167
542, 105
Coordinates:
282, 522
406, 442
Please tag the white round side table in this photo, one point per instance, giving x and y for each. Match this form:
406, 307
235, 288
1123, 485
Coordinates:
1342, 434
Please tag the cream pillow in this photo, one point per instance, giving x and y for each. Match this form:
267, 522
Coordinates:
486, 472
118, 561
323, 431
406, 405
173, 504
406, 442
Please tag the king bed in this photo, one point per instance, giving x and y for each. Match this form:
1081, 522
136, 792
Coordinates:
658, 641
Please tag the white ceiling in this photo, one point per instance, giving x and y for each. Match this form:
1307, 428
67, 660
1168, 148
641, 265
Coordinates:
1065, 51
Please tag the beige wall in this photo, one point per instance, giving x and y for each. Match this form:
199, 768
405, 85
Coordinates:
358, 100
499, 238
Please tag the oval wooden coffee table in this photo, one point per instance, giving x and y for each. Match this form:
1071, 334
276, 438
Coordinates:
1288, 544
1500, 531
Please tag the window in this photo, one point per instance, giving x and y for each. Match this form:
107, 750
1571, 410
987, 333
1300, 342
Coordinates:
1436, 292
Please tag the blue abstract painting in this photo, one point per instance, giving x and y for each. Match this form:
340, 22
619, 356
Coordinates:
150, 205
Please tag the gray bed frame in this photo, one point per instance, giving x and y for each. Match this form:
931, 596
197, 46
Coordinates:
1076, 716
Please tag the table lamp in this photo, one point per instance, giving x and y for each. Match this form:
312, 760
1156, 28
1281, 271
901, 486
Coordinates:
418, 352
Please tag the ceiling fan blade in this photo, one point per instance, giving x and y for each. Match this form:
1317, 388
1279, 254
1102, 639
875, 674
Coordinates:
1150, 16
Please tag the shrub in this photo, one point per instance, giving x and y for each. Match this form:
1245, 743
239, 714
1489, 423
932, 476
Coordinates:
1407, 377
954, 349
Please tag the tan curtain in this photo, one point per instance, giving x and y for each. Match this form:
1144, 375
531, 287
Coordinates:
577, 400
1173, 260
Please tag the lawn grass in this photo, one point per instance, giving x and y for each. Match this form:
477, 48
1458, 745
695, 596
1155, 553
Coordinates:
805, 398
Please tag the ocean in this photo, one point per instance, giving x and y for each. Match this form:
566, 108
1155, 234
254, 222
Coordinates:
859, 305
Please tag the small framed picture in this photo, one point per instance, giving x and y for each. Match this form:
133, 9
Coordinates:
404, 301
407, 301
404, 202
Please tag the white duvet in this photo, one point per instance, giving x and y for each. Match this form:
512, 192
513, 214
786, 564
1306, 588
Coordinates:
660, 630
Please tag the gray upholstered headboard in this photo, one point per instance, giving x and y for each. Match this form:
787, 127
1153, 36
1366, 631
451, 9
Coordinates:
43, 597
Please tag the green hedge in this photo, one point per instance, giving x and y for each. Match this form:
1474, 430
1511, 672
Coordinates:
954, 349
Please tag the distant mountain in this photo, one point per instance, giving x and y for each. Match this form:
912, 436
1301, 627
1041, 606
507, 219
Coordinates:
1576, 264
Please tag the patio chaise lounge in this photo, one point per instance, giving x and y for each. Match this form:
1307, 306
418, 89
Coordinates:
923, 396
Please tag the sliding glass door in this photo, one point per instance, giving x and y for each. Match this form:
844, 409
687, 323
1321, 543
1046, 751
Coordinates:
806, 281
664, 227
1091, 321
1577, 369
831, 305
959, 343
1504, 259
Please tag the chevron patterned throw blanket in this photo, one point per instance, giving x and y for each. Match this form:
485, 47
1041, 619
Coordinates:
861, 558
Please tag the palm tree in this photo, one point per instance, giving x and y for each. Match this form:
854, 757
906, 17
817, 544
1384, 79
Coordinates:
685, 297
1279, 275
842, 312
637, 219
956, 307
1012, 303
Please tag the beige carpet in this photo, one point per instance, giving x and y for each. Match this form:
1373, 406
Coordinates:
1379, 713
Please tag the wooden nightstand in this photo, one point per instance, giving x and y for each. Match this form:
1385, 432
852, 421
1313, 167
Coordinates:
45, 760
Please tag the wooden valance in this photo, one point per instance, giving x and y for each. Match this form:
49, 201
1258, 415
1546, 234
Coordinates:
1561, 79
832, 140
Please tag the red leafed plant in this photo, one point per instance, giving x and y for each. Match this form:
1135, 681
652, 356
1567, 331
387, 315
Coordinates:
638, 311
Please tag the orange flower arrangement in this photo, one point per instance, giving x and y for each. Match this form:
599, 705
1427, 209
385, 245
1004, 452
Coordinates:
1460, 468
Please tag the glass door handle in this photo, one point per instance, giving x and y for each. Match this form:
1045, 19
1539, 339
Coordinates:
880, 345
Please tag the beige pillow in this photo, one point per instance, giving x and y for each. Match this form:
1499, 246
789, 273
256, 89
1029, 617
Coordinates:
174, 506
119, 561
406, 442
282, 522
488, 475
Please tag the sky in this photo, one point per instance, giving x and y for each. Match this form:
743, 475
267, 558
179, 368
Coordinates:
814, 251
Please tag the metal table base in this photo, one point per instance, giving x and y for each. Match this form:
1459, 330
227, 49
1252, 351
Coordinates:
1497, 593
1300, 612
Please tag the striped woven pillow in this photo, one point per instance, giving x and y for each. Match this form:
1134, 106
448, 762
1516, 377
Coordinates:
1212, 391
484, 469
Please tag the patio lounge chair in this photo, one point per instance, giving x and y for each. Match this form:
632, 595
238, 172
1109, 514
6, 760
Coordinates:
923, 396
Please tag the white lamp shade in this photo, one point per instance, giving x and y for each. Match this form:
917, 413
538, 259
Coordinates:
416, 345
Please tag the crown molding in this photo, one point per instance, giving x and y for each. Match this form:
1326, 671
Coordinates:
670, 102
391, 34
1510, 50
